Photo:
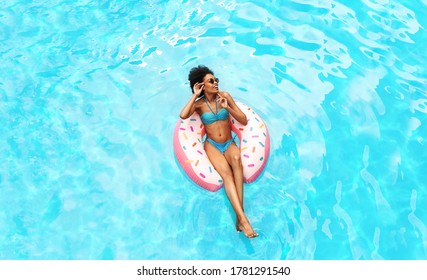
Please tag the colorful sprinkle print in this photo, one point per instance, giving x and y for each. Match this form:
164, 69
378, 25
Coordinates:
253, 139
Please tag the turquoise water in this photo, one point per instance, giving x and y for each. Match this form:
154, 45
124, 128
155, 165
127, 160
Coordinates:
90, 92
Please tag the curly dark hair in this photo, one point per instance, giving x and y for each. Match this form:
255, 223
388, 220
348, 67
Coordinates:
197, 74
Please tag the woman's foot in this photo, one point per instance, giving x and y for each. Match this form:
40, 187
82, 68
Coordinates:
238, 226
246, 228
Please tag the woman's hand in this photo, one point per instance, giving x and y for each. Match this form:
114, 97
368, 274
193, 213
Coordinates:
222, 101
226, 101
198, 88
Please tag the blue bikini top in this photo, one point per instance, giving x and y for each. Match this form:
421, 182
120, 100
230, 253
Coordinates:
211, 117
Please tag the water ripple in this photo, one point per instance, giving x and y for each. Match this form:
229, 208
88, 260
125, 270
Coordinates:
90, 93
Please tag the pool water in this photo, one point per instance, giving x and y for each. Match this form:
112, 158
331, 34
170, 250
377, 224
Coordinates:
90, 92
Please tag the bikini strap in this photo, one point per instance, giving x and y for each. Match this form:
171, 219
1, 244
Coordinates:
216, 106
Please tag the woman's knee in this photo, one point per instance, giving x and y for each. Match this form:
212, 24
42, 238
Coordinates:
224, 171
236, 160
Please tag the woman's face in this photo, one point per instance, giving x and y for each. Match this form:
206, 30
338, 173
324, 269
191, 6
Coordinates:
211, 84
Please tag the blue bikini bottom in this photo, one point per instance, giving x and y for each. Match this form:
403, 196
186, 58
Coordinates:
222, 147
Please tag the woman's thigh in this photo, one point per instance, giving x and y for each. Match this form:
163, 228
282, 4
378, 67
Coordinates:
218, 160
232, 154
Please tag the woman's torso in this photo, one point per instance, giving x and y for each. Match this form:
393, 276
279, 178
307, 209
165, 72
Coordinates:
219, 130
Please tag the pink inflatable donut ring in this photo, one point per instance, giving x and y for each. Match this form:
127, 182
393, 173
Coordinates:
191, 156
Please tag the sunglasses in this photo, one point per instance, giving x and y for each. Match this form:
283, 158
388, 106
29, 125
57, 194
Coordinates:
212, 81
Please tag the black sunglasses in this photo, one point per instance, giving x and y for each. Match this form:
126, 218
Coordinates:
212, 81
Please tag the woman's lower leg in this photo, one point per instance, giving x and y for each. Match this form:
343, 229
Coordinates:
242, 221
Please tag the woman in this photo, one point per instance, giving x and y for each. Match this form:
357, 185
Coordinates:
214, 108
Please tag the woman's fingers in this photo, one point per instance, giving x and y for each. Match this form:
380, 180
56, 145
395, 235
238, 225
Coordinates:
222, 101
197, 88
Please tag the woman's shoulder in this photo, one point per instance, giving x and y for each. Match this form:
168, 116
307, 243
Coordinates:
199, 103
225, 94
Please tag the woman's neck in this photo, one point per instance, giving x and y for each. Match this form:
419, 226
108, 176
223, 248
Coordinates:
210, 98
